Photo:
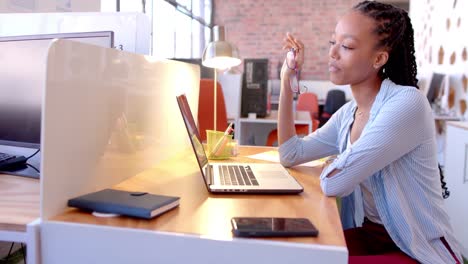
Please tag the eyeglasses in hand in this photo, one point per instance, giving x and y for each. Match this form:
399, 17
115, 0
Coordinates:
294, 79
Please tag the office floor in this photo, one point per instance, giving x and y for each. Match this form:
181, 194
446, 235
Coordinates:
16, 256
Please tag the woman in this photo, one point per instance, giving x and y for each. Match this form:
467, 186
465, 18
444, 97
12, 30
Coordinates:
386, 169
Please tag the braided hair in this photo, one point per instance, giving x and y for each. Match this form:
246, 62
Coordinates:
395, 32
445, 191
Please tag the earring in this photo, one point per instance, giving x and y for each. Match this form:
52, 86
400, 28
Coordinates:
383, 70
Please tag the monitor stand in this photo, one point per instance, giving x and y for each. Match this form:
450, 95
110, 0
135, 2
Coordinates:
23, 170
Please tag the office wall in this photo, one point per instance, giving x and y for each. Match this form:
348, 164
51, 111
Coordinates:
258, 28
20, 6
441, 43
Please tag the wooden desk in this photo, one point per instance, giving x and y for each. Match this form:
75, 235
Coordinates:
199, 224
19, 212
254, 131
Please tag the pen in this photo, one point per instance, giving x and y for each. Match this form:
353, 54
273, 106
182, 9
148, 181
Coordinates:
222, 141
229, 129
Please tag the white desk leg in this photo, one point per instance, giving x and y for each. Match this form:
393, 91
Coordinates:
236, 129
33, 242
246, 134
238, 133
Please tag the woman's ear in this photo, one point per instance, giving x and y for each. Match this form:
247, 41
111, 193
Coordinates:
380, 59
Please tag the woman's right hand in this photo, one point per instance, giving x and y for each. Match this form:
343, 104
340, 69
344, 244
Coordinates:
286, 128
292, 43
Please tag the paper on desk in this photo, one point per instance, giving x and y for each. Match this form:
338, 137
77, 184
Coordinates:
273, 156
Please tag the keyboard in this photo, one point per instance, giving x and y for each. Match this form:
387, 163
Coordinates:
5, 156
237, 175
8, 161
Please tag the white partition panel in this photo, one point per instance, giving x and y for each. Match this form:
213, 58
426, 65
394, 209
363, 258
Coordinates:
107, 116
126, 245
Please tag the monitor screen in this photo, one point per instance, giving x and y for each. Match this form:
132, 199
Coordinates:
24, 61
435, 87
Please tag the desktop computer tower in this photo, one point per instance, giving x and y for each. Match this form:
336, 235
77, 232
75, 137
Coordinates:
255, 87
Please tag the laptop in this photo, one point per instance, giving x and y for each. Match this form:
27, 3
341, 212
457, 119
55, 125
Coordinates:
236, 177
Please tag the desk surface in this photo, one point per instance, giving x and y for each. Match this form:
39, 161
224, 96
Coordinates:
300, 117
462, 125
19, 202
208, 215
447, 118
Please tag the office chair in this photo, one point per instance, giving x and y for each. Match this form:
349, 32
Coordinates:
335, 99
205, 108
308, 102
305, 102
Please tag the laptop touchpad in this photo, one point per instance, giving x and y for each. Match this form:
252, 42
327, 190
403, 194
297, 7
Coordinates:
270, 174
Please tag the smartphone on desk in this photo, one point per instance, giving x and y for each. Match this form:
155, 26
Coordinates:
272, 227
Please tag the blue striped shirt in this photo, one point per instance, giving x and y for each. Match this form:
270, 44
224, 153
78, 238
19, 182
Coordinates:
397, 152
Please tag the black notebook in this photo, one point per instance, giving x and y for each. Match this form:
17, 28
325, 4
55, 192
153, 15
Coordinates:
136, 204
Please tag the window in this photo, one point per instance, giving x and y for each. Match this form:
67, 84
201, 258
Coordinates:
183, 35
180, 28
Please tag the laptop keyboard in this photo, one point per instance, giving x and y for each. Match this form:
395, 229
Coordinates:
5, 156
237, 175
9, 160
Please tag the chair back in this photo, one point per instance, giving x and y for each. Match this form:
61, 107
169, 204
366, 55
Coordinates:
206, 108
335, 99
308, 102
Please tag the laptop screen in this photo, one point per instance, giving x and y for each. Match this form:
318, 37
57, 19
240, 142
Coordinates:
192, 130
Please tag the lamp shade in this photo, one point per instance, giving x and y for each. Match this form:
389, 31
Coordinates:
220, 54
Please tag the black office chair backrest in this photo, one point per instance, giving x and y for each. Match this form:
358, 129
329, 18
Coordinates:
335, 99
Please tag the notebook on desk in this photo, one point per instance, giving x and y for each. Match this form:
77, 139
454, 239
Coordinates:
236, 177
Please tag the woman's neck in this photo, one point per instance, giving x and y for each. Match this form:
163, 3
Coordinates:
364, 93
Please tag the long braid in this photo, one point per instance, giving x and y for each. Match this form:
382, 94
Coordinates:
445, 191
395, 32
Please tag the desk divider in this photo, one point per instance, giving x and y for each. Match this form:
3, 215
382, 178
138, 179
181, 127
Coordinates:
107, 116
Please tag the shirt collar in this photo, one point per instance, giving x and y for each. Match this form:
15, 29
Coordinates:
379, 99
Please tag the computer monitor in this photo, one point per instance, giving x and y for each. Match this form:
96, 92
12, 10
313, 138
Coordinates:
255, 87
20, 103
22, 80
435, 87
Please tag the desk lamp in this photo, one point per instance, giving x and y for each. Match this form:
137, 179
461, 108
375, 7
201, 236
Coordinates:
219, 54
